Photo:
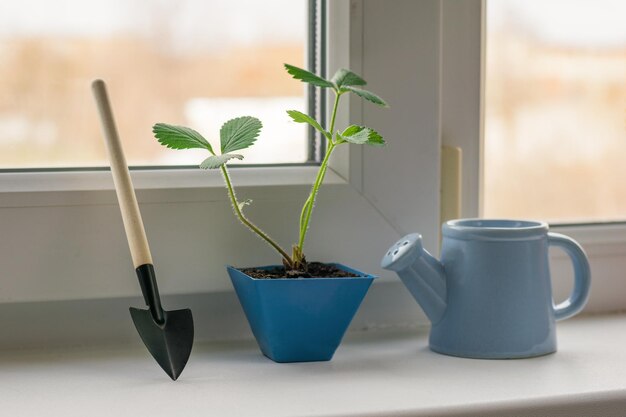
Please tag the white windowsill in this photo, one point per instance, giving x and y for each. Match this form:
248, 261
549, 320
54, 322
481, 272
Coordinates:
379, 373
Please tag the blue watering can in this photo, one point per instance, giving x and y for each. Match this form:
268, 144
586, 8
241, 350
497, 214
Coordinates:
490, 296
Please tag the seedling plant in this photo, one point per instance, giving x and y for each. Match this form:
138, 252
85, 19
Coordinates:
241, 133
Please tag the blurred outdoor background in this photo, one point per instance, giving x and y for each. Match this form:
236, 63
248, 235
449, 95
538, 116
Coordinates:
190, 62
555, 115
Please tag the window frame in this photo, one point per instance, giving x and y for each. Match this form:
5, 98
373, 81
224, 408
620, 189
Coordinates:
67, 243
355, 193
90, 178
463, 73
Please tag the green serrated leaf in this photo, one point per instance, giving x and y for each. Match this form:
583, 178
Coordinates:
300, 117
344, 77
362, 135
307, 76
367, 95
179, 137
355, 134
239, 133
352, 129
244, 203
216, 161
375, 139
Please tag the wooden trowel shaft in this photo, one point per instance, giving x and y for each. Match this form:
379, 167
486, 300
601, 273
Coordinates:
135, 232
131, 216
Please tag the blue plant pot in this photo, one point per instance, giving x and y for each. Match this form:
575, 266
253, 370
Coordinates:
300, 319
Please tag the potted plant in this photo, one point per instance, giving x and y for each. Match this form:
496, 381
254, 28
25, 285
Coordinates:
298, 311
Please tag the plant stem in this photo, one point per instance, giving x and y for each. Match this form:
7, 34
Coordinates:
316, 186
248, 223
305, 217
334, 116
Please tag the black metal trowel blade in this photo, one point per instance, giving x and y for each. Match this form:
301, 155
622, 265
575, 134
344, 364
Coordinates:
170, 342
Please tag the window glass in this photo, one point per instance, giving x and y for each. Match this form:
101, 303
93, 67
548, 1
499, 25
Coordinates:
555, 114
191, 62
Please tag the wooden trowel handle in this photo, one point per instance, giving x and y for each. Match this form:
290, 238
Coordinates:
135, 233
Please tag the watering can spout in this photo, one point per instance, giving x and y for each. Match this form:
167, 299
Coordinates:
422, 274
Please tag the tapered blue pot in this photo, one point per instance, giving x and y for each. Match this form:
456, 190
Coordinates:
300, 319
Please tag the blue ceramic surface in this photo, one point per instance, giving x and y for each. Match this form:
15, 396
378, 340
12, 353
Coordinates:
490, 296
301, 319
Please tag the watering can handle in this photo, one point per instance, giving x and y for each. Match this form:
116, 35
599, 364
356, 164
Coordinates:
582, 276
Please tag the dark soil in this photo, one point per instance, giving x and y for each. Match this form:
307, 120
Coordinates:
313, 270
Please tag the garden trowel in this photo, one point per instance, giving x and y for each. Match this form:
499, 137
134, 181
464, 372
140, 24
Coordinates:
168, 335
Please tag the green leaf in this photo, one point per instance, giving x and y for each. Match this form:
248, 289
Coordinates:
351, 130
244, 203
344, 77
216, 161
239, 133
362, 135
300, 117
367, 95
179, 137
307, 76
355, 134
375, 139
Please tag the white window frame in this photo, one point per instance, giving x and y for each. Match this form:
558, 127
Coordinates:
463, 74
66, 226
62, 233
